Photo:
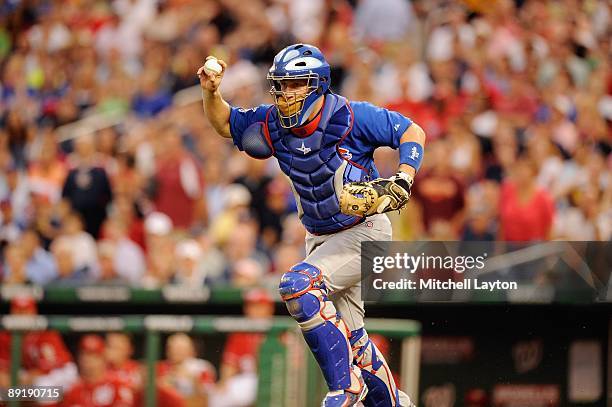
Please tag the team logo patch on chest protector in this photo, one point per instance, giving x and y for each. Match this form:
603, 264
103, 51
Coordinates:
315, 166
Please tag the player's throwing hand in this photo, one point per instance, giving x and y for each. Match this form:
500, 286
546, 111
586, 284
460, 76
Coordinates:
210, 80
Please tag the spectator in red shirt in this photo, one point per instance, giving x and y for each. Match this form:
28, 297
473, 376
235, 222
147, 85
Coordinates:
237, 386
98, 387
526, 211
519, 103
45, 360
448, 101
178, 182
439, 193
126, 212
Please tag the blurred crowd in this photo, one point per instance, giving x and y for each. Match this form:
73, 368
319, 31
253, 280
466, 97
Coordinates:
515, 98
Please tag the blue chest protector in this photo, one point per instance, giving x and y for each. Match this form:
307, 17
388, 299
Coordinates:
315, 167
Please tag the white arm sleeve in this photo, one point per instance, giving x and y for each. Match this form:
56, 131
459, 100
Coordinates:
64, 376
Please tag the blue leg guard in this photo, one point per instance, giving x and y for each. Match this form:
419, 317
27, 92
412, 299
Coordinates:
382, 390
304, 292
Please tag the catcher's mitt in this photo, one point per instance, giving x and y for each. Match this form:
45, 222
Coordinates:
377, 196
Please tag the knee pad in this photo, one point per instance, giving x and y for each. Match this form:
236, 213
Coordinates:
304, 292
382, 390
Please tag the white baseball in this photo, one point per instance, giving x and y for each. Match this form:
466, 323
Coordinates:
212, 66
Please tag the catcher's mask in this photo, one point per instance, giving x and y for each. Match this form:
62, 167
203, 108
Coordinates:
299, 76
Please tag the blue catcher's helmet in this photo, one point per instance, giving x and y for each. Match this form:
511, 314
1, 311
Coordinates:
298, 62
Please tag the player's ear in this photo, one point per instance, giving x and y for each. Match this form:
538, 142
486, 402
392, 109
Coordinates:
320, 90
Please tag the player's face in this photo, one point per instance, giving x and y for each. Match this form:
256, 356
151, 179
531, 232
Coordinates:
179, 349
118, 348
92, 364
294, 93
294, 85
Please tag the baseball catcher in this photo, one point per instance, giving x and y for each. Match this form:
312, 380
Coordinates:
324, 145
